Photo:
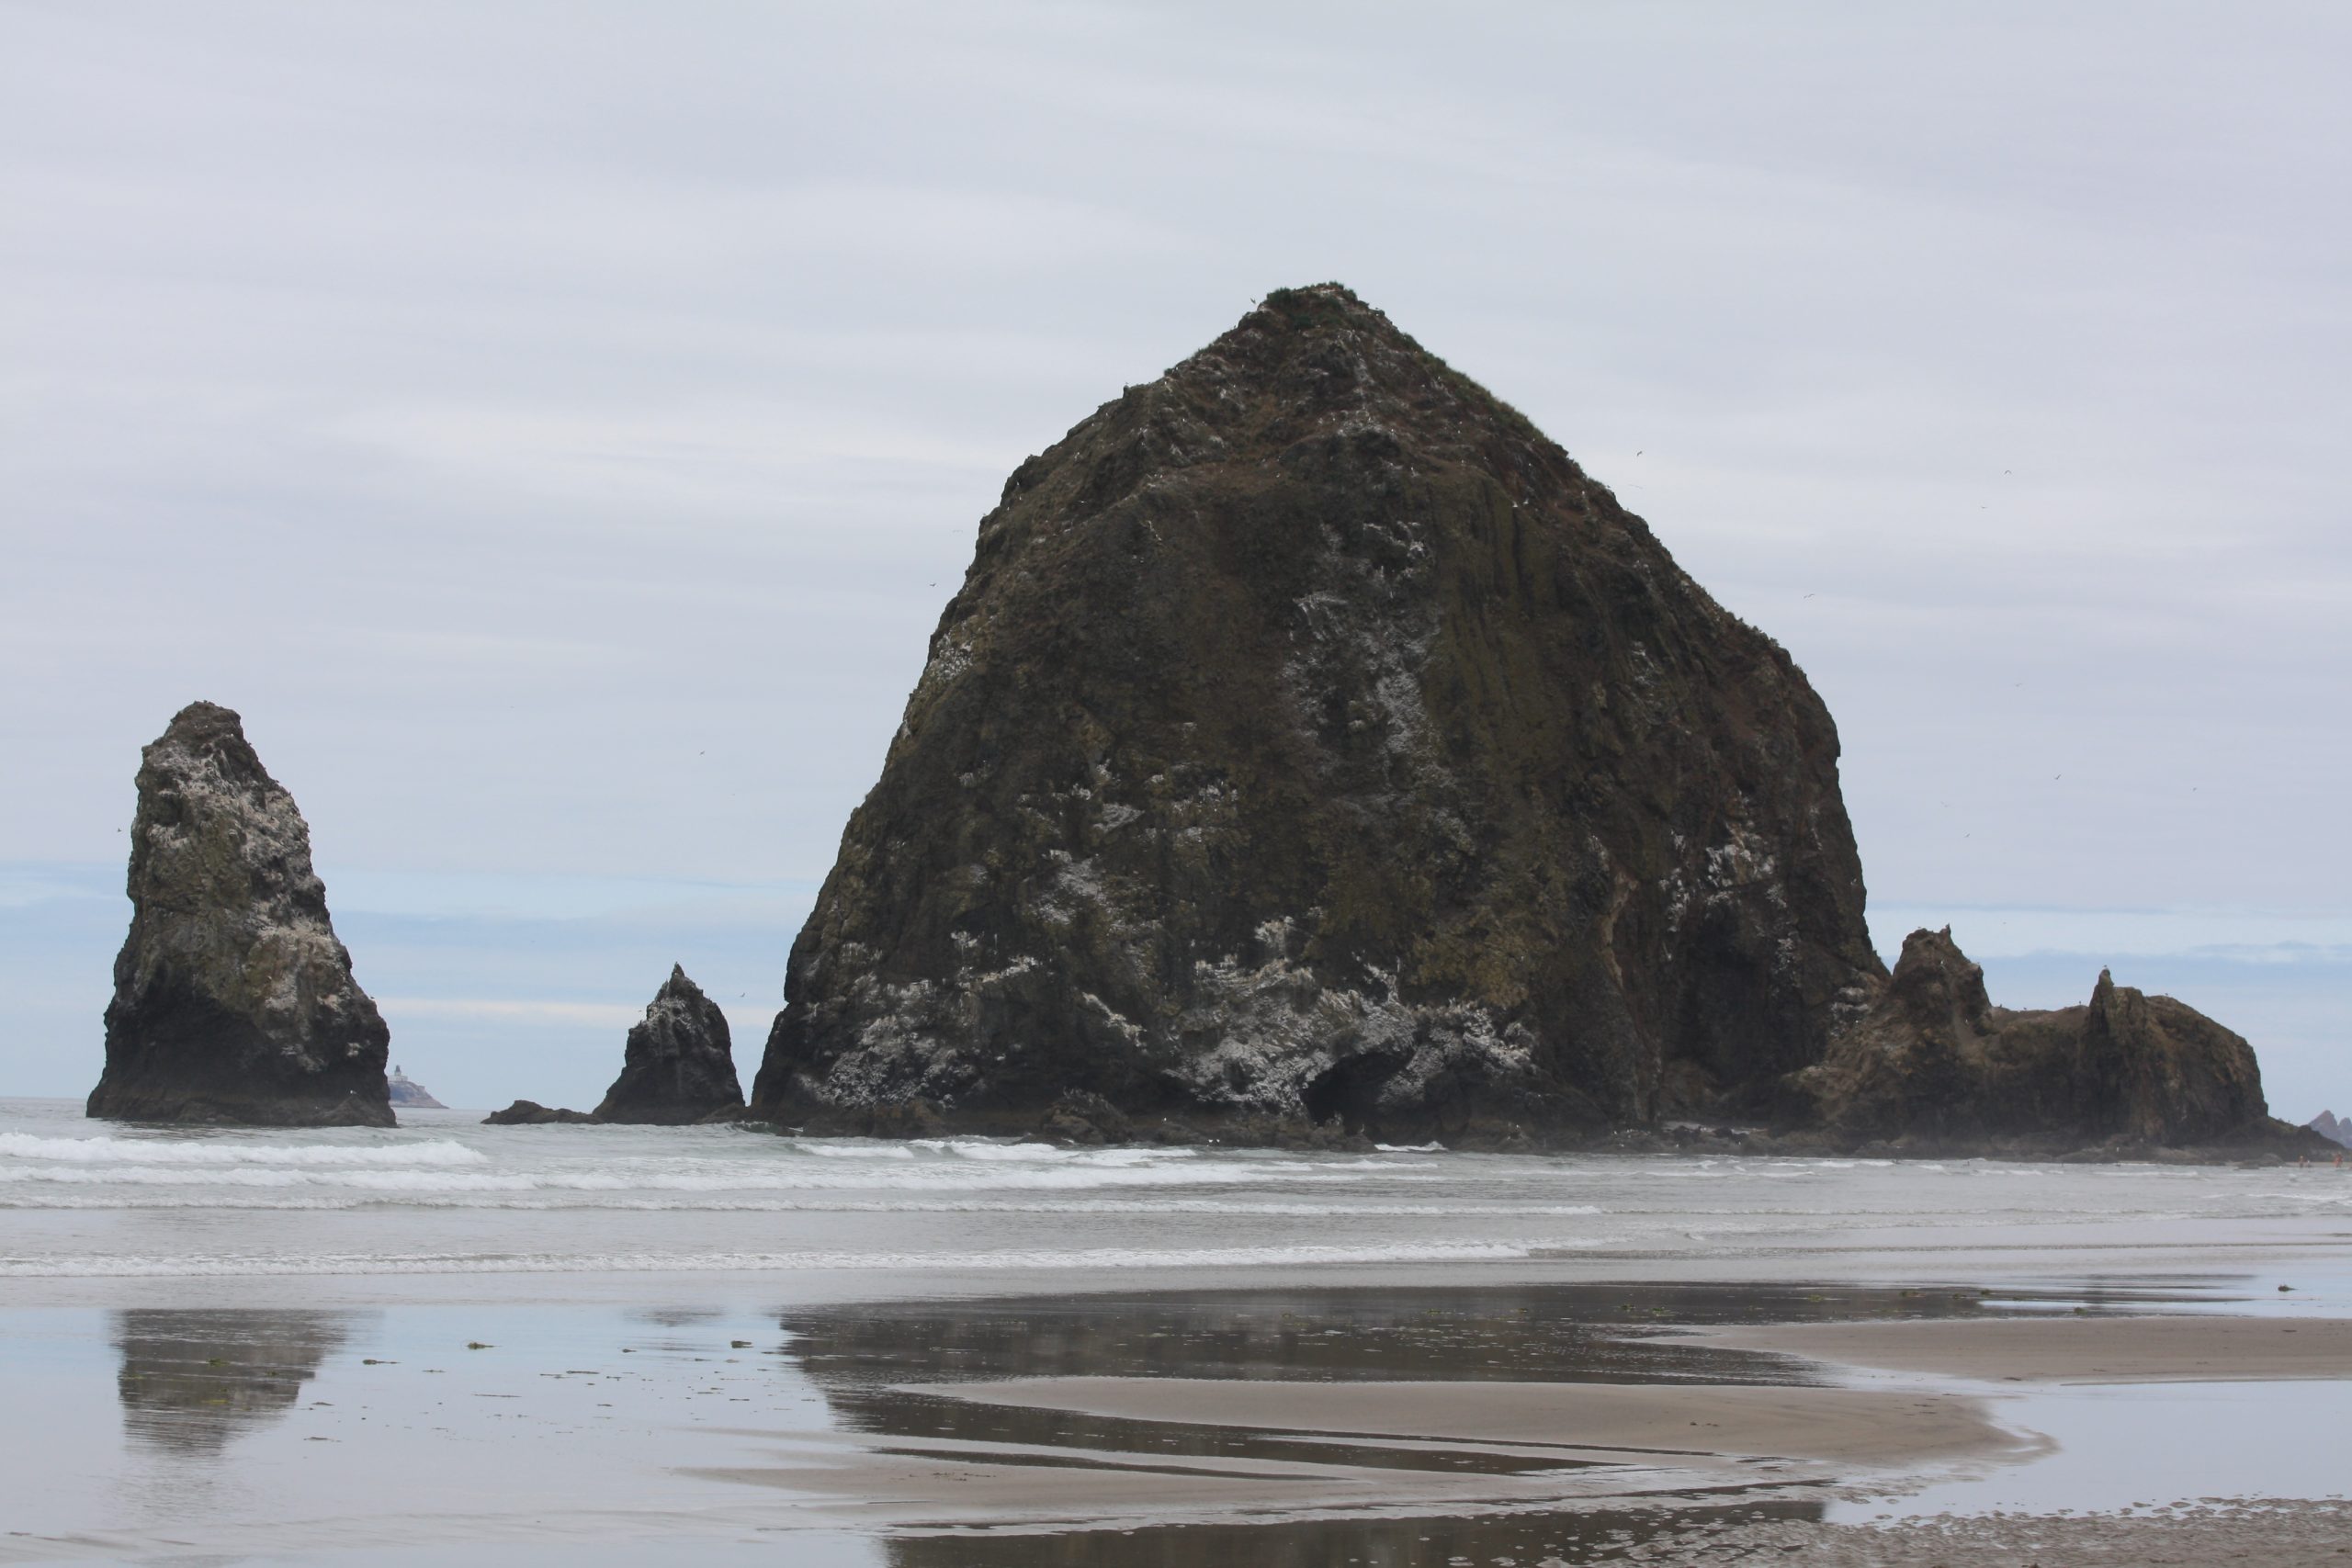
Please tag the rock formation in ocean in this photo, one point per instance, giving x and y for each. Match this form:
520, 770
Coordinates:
1934, 1062
234, 1002
407, 1091
2335, 1129
680, 1063
1312, 740
531, 1113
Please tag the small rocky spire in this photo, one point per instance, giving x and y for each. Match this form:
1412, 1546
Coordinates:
679, 1065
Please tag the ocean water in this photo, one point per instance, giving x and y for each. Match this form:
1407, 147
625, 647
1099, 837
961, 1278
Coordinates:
445, 1196
610, 1342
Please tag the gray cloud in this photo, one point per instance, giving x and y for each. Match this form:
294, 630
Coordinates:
556, 427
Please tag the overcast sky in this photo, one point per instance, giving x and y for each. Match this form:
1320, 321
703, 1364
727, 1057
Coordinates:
556, 427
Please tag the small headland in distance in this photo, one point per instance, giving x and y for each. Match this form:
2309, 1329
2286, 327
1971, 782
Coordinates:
405, 1090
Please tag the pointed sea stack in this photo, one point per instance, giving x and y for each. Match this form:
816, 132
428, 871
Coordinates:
680, 1063
234, 1002
1312, 740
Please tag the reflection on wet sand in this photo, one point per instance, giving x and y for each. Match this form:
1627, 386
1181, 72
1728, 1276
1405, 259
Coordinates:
191, 1381
1147, 1486
1507, 1333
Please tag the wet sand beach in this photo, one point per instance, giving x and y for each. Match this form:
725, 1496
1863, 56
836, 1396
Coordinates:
2129, 1349
1575, 1421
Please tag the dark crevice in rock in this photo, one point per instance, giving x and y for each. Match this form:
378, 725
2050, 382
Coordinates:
1348, 1092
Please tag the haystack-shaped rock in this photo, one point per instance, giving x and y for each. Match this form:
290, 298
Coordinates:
1933, 1060
680, 1063
234, 1002
1312, 739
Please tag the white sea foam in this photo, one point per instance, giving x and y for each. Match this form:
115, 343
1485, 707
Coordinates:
623, 1175
449, 1196
1051, 1154
814, 1203
217, 1265
231, 1151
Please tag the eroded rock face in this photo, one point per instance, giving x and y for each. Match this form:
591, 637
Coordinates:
1933, 1060
1313, 741
234, 1002
679, 1062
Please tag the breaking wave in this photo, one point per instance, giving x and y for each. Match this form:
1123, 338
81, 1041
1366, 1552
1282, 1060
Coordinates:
447, 1196
780, 1176
228, 1153
213, 1265
722, 1203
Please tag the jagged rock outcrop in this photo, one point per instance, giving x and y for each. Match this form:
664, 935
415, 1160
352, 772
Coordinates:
2335, 1129
234, 1002
1932, 1061
406, 1092
679, 1062
1313, 741
531, 1113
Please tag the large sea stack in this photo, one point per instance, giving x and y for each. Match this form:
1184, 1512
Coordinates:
234, 1002
1312, 739
679, 1063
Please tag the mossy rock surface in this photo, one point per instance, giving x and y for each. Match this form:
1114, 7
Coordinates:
1312, 740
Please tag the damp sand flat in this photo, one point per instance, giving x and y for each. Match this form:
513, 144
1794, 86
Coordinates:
2184, 1348
1420, 1449
1622, 1423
